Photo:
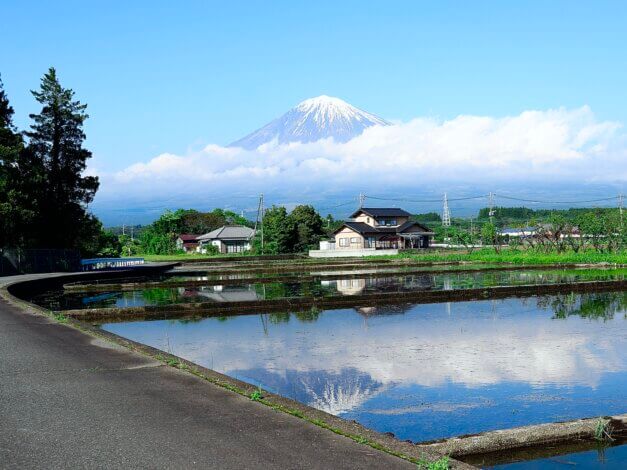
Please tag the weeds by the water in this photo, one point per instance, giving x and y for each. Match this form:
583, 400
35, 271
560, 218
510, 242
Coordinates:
257, 395
603, 430
60, 317
440, 464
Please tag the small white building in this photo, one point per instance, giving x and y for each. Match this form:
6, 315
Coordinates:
228, 239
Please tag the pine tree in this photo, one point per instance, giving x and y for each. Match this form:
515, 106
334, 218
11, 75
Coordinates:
19, 178
56, 142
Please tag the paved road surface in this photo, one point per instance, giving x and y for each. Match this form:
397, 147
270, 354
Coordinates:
68, 400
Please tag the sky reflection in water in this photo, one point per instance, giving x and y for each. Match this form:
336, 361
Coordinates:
424, 371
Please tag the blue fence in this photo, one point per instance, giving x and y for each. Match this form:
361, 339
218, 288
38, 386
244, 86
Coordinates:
96, 264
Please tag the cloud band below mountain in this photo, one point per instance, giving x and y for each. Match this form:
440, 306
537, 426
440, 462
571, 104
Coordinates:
540, 146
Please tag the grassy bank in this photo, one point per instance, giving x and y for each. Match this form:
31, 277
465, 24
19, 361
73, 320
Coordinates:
181, 257
486, 255
518, 257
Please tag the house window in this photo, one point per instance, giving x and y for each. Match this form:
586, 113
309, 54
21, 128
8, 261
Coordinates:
386, 222
368, 220
343, 241
354, 240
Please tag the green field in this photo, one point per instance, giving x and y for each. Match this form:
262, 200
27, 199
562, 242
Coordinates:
518, 257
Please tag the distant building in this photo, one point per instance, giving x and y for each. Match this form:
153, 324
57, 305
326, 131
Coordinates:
187, 243
518, 232
228, 239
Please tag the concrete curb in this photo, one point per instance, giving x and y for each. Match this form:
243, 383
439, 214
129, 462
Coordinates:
526, 436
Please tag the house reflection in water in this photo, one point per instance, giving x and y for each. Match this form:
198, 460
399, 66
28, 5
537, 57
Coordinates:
236, 293
382, 284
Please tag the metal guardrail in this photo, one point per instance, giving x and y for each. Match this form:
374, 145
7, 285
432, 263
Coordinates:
96, 264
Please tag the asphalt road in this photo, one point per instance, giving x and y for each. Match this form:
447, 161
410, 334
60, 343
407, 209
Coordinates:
68, 400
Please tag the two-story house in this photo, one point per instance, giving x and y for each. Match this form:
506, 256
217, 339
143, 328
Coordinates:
381, 228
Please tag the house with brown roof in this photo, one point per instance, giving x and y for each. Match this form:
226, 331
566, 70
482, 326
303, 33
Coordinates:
187, 242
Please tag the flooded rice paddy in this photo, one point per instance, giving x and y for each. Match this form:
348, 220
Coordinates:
421, 372
609, 458
160, 293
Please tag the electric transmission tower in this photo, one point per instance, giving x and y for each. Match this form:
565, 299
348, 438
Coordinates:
491, 206
362, 199
446, 213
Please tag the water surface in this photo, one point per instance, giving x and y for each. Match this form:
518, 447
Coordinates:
424, 371
604, 458
252, 291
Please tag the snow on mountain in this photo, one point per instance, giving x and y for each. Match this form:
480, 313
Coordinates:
314, 119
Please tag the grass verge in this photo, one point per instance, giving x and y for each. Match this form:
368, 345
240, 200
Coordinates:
516, 257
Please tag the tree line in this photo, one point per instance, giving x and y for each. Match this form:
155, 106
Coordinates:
44, 191
159, 238
283, 232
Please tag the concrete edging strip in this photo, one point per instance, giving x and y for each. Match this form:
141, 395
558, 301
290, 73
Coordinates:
526, 436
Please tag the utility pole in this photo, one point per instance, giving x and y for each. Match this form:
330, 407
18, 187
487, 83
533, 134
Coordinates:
259, 219
446, 213
123, 229
261, 204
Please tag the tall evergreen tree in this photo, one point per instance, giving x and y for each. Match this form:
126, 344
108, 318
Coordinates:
20, 176
56, 141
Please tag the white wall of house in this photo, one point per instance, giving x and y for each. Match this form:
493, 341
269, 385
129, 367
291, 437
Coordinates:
348, 239
350, 253
223, 247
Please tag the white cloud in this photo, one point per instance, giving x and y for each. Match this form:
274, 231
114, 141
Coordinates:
553, 145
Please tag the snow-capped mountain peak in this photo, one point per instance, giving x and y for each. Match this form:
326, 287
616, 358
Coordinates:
311, 120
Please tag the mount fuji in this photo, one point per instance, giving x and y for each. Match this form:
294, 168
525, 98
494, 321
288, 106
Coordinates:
311, 120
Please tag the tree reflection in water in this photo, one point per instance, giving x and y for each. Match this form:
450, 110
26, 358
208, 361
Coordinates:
597, 305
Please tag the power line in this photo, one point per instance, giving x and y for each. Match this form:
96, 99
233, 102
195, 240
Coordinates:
423, 200
352, 201
558, 202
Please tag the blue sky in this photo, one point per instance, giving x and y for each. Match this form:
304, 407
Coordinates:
162, 76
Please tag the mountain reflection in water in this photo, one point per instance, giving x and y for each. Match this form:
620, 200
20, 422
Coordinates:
424, 371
